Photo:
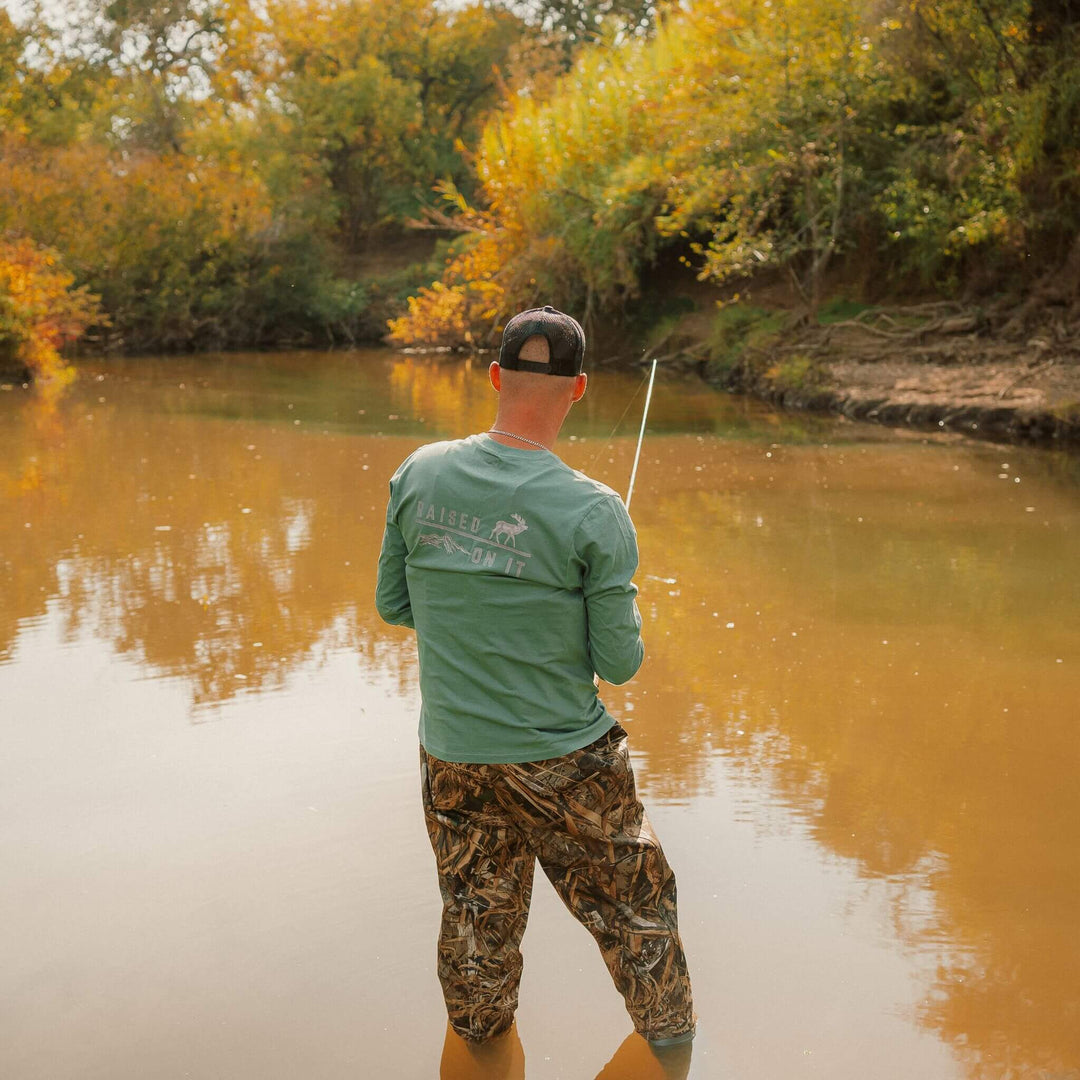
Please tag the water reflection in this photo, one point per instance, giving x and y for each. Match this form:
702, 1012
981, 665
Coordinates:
219, 552
504, 1059
217, 520
500, 1059
880, 636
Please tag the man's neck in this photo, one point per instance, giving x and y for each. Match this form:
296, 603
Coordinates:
529, 429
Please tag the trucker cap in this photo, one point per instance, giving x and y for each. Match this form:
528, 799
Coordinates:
565, 338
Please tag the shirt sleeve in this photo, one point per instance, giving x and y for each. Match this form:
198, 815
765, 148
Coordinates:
391, 589
607, 546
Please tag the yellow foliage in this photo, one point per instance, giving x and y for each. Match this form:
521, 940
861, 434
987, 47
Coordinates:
469, 296
153, 234
107, 210
574, 183
227, 194
747, 136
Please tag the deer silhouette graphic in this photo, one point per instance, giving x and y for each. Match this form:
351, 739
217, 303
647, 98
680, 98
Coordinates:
509, 529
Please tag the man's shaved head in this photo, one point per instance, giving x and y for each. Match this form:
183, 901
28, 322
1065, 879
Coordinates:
522, 386
542, 377
533, 397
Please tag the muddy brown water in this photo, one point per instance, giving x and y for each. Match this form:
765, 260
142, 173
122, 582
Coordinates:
857, 730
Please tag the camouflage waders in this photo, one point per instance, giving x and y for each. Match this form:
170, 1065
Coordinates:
580, 816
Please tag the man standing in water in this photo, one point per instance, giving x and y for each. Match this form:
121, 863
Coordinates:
516, 571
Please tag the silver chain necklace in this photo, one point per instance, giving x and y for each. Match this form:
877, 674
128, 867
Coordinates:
511, 435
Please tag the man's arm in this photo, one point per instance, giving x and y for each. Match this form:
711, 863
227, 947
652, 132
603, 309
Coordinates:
392, 590
607, 545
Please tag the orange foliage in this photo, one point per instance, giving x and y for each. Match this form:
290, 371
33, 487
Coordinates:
468, 296
500, 269
40, 312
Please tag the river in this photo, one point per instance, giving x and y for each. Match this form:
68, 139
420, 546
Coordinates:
857, 731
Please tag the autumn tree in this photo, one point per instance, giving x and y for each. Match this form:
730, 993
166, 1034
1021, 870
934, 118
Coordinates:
381, 98
211, 167
46, 90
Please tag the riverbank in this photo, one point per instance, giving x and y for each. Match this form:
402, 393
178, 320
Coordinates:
950, 373
1023, 400
1007, 371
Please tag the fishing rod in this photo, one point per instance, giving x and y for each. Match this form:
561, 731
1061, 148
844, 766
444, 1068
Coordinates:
641, 435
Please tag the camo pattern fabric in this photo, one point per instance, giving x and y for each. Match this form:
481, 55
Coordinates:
579, 815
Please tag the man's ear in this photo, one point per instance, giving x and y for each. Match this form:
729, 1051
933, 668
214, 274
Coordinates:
580, 382
495, 375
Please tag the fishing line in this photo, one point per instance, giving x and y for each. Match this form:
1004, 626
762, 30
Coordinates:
618, 423
637, 452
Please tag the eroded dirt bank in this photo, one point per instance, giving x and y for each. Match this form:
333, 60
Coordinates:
950, 371
1007, 372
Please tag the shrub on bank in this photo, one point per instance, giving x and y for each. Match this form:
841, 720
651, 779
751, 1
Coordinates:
183, 253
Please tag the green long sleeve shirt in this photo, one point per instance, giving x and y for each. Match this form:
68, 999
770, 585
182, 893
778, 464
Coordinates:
516, 572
